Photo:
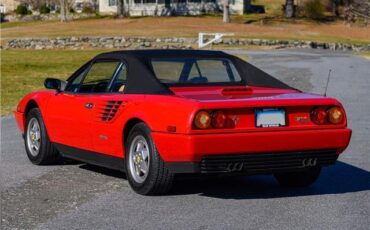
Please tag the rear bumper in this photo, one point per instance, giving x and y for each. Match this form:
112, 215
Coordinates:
184, 153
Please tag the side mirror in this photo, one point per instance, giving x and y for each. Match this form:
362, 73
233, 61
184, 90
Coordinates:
52, 83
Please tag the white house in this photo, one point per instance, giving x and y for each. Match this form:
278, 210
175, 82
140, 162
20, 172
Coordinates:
169, 7
7, 6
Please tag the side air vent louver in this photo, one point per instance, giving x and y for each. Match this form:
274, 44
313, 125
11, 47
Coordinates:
110, 110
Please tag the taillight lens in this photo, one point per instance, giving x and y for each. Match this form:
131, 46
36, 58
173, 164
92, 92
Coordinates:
324, 115
319, 116
219, 119
202, 120
335, 115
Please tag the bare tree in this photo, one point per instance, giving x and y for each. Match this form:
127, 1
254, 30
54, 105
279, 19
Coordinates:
358, 11
65, 6
289, 8
63, 10
120, 8
335, 7
226, 18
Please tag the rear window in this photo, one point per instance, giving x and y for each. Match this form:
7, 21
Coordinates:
195, 71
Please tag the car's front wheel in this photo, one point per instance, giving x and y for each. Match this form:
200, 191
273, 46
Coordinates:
299, 179
39, 149
145, 169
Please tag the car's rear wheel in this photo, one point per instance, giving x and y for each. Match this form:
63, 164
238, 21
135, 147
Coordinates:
39, 149
146, 171
299, 179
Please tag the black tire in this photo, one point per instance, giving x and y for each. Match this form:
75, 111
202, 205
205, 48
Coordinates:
298, 179
159, 179
47, 153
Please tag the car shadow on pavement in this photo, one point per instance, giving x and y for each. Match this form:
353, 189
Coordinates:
337, 179
105, 171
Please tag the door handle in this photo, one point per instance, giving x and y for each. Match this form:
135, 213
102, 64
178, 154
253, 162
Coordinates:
89, 105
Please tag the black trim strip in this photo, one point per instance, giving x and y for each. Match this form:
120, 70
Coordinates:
91, 157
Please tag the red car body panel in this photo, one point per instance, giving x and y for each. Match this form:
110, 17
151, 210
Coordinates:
75, 126
91, 122
40, 98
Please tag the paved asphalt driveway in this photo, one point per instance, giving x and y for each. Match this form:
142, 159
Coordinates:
79, 196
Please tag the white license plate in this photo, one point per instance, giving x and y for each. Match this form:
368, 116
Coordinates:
270, 118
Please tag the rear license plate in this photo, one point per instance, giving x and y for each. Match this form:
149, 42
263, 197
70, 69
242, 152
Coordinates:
270, 118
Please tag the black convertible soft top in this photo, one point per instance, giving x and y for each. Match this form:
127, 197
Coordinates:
141, 78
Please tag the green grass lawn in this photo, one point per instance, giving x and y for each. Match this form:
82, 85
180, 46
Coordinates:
23, 71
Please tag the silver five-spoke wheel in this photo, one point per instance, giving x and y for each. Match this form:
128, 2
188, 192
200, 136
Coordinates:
33, 136
139, 159
146, 171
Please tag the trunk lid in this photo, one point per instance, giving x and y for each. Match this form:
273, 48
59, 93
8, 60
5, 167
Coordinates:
245, 96
241, 104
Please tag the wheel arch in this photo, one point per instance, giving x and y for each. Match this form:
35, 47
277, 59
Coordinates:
31, 104
129, 125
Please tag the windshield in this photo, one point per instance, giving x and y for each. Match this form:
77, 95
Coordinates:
195, 71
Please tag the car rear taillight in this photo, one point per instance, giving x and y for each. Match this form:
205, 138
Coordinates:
335, 115
319, 116
202, 120
219, 119
212, 119
325, 115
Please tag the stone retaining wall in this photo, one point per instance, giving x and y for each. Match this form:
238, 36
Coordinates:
44, 17
182, 43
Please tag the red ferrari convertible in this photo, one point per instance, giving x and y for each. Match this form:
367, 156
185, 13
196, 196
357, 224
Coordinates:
157, 113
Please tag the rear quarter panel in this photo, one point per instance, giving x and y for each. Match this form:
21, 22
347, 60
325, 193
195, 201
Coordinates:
159, 112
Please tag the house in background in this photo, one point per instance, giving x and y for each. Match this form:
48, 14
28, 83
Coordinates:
7, 6
148, 7
170, 7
